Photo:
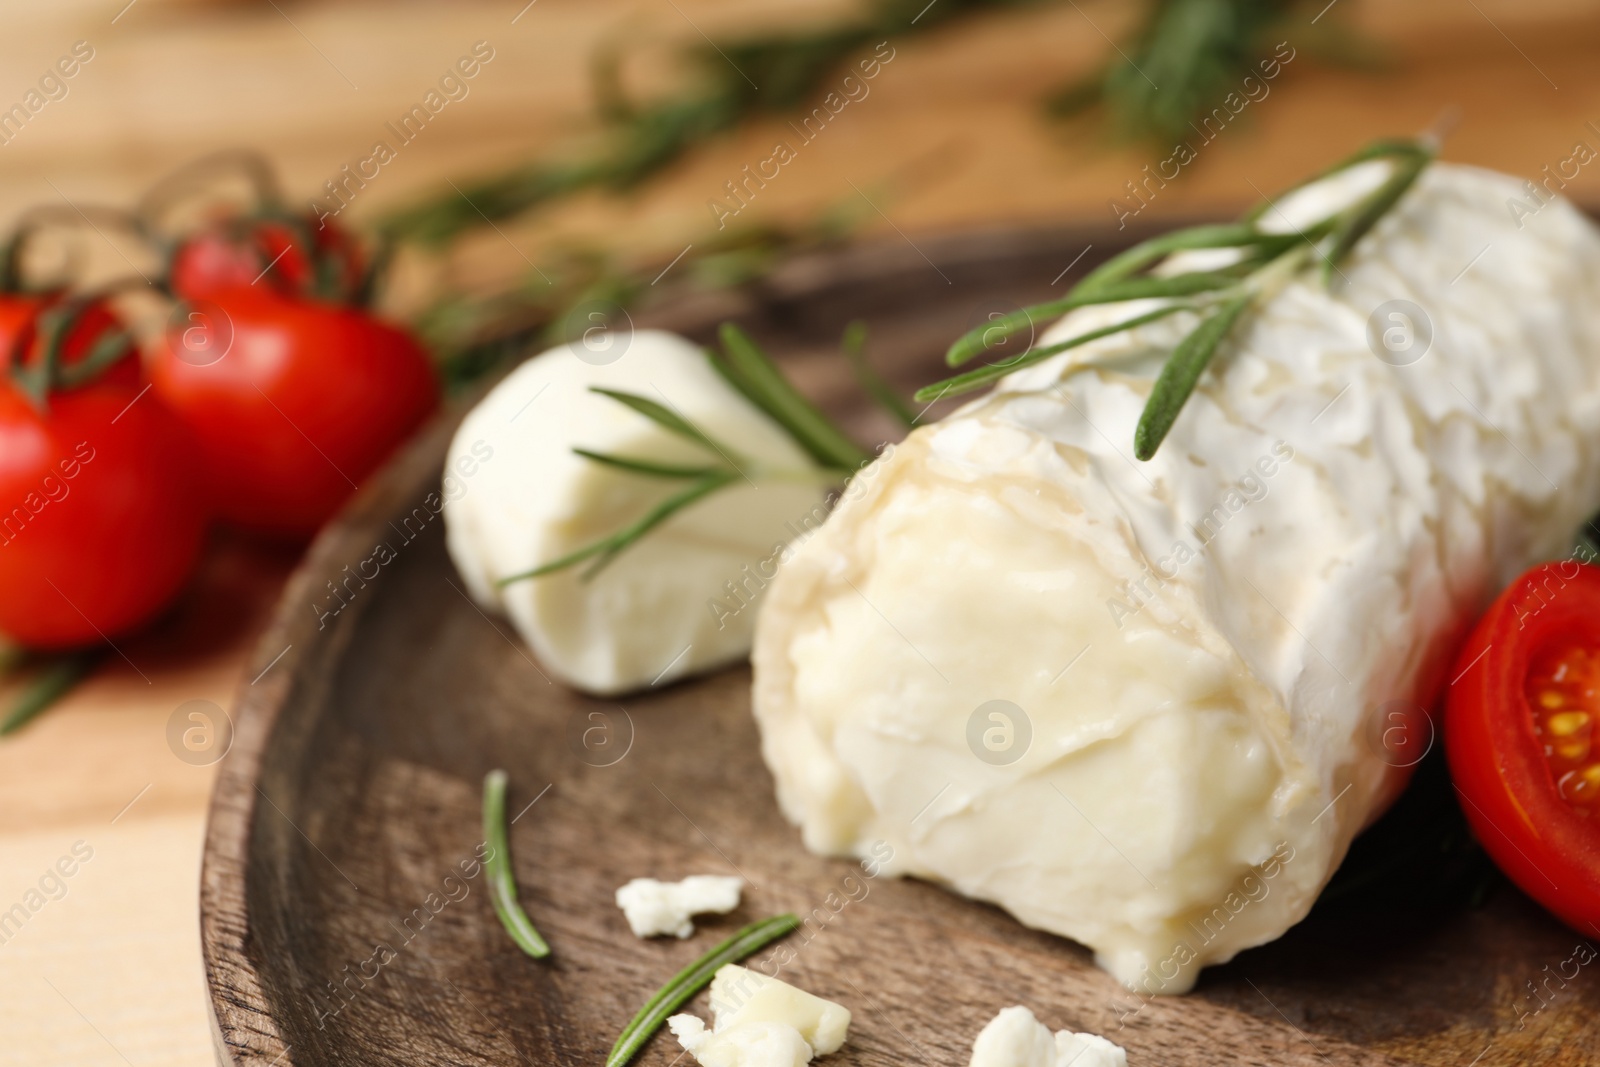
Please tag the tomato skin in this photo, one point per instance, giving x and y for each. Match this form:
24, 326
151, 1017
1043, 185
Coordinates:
101, 518
265, 251
1547, 847
307, 401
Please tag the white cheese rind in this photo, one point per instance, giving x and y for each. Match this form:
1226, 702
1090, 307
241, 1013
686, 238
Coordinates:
1014, 1038
1204, 742
657, 908
648, 617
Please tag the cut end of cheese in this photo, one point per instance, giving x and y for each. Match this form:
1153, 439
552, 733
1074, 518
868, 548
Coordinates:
1141, 704
681, 599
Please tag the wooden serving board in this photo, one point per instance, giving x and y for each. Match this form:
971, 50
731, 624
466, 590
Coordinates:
339, 926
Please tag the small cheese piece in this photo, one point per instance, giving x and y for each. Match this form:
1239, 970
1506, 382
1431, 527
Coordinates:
655, 908
746, 1045
761, 1022
1014, 1038
681, 599
740, 995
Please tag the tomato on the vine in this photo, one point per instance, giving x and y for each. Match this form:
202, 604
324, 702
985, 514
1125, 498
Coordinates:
101, 521
293, 401
295, 254
1520, 733
80, 328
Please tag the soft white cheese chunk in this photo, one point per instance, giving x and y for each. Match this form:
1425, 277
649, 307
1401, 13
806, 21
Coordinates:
679, 600
655, 908
745, 1045
1148, 705
754, 1017
1014, 1038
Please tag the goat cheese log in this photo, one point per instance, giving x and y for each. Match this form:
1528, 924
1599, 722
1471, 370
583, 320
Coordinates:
1144, 705
645, 619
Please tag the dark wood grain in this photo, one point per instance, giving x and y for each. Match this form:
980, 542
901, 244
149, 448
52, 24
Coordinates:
351, 797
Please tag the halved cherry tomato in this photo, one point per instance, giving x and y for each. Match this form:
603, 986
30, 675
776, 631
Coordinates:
101, 521
293, 401
1520, 734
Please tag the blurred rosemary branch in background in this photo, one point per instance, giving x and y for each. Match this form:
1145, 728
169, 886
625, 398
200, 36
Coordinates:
559, 303
1195, 51
734, 80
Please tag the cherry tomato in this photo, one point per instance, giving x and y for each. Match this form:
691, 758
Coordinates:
22, 314
101, 520
1520, 734
294, 402
295, 255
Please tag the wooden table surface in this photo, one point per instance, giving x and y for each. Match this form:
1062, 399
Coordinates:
107, 970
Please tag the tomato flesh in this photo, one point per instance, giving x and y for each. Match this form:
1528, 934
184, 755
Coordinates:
1563, 693
1519, 731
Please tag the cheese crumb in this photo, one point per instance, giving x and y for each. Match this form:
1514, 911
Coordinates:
654, 908
1014, 1038
761, 1022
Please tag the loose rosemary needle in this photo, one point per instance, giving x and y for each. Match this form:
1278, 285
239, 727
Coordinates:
693, 978
502, 885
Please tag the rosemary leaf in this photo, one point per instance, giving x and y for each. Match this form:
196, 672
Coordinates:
641, 139
1182, 371
855, 349
502, 885
981, 338
1146, 253
1383, 148
976, 379
57, 679
693, 978
608, 548
1366, 215
560, 563
645, 466
659, 514
754, 373
666, 418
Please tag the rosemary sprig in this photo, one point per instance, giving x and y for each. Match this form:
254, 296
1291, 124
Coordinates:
1195, 51
754, 374
502, 884
1220, 297
991, 372
664, 417
733, 81
1188, 55
609, 548
855, 350
645, 466
56, 680
1182, 371
693, 978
